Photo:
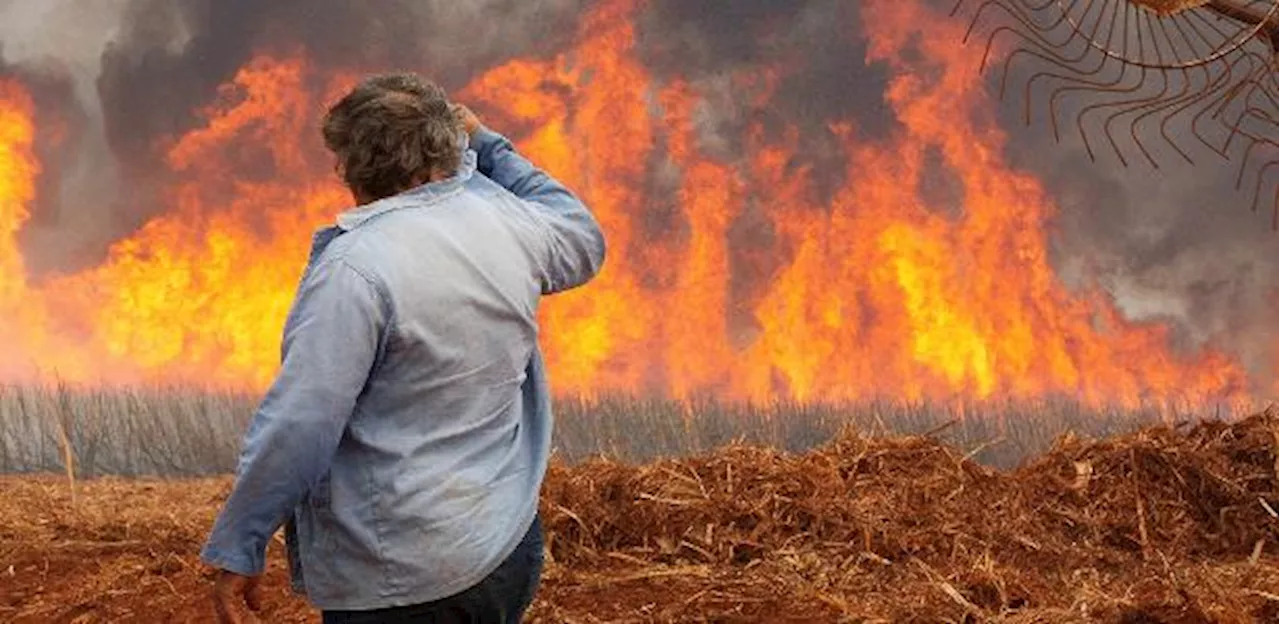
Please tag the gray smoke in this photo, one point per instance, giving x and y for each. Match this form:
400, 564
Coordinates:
171, 56
54, 47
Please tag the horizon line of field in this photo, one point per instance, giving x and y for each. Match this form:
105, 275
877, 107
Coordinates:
181, 430
959, 405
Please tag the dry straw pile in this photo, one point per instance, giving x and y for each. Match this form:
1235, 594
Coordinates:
1164, 525
1169, 525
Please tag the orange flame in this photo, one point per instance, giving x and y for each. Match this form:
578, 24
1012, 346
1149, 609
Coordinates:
875, 292
18, 170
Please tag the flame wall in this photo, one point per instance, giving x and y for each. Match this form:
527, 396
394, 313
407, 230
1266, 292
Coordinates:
748, 261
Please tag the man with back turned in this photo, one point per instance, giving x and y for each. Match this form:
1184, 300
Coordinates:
404, 441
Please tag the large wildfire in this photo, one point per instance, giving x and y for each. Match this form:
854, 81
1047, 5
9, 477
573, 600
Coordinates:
878, 288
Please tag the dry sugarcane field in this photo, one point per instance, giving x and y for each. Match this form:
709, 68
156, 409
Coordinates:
1171, 523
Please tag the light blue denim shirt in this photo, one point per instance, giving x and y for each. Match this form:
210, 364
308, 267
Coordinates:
404, 441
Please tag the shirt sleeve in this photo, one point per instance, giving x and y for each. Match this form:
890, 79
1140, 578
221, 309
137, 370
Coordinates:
576, 246
331, 341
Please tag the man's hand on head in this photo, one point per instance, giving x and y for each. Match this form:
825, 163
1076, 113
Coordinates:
468, 119
233, 593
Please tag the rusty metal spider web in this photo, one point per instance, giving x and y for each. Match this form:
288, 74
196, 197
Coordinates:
1187, 77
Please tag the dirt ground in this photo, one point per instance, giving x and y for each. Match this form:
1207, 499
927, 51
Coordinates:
1165, 525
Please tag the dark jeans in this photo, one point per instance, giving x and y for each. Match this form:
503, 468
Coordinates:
501, 598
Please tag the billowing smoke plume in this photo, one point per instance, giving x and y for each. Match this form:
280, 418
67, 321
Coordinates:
55, 49
1178, 243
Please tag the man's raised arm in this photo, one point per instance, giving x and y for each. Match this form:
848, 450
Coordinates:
577, 246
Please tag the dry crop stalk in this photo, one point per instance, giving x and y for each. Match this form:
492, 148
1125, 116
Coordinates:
68, 460
1157, 65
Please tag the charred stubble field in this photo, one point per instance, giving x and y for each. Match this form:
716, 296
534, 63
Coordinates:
891, 518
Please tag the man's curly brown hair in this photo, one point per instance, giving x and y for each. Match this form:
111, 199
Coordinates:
390, 133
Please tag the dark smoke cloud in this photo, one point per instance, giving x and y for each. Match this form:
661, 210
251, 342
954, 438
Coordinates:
172, 55
815, 46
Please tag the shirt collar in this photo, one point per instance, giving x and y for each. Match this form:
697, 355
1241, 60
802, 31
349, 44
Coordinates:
428, 193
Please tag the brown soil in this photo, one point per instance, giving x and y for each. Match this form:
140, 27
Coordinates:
1163, 525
